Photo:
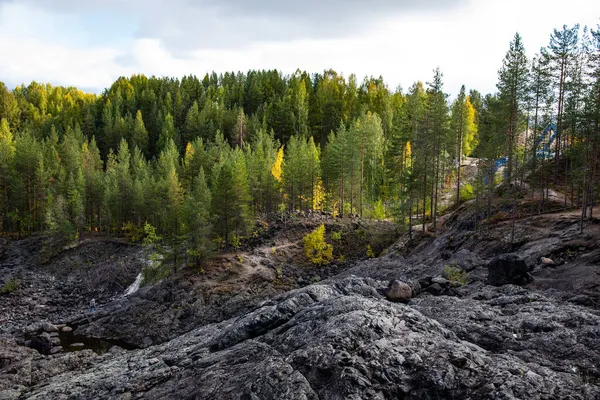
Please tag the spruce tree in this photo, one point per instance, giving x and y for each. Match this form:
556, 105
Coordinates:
197, 218
7, 153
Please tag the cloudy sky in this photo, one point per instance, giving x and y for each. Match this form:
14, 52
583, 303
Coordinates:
89, 43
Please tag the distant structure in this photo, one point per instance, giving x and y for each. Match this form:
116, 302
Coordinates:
543, 144
544, 149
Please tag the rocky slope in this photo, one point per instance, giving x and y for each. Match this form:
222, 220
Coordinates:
251, 337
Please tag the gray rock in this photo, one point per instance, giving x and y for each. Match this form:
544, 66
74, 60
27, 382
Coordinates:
547, 261
41, 343
435, 289
398, 291
415, 287
508, 269
67, 329
48, 327
340, 340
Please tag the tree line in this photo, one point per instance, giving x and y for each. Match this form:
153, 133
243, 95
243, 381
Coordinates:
201, 159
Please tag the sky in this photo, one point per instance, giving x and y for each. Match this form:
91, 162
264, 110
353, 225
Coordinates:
90, 43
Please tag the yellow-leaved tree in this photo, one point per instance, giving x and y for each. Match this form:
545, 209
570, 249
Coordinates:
317, 250
277, 168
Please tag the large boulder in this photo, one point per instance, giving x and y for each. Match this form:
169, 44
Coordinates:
506, 269
399, 291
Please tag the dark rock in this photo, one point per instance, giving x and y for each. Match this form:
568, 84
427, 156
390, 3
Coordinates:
466, 260
41, 343
435, 289
508, 269
398, 291
415, 287
339, 340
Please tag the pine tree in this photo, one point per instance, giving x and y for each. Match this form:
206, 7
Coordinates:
168, 134
139, 136
562, 47
197, 218
512, 86
464, 131
437, 131
7, 153
240, 129
231, 198
93, 175
9, 108
261, 162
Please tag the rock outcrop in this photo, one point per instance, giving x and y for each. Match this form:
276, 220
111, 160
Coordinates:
508, 269
256, 337
343, 340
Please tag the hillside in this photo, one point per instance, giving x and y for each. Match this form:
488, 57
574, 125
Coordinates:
265, 324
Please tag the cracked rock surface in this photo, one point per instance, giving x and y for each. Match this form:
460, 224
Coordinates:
342, 339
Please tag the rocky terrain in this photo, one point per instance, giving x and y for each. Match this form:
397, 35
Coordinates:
471, 316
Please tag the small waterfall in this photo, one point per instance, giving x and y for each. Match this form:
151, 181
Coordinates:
134, 286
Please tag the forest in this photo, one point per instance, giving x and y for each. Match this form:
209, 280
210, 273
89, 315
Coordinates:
203, 163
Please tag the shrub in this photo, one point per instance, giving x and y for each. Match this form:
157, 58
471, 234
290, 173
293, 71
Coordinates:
370, 252
10, 286
236, 241
150, 236
378, 210
360, 233
316, 249
336, 235
466, 192
132, 232
456, 275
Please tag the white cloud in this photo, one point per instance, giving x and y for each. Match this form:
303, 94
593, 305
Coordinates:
466, 42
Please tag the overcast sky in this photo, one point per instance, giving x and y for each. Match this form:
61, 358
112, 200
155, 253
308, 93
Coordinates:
90, 43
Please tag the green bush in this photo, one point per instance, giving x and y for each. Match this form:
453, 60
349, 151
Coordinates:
456, 275
336, 235
10, 286
132, 232
370, 252
316, 249
467, 192
378, 210
236, 241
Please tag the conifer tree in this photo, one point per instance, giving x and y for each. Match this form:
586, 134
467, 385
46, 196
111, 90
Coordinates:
464, 130
231, 198
139, 136
7, 153
561, 50
437, 128
512, 87
197, 218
